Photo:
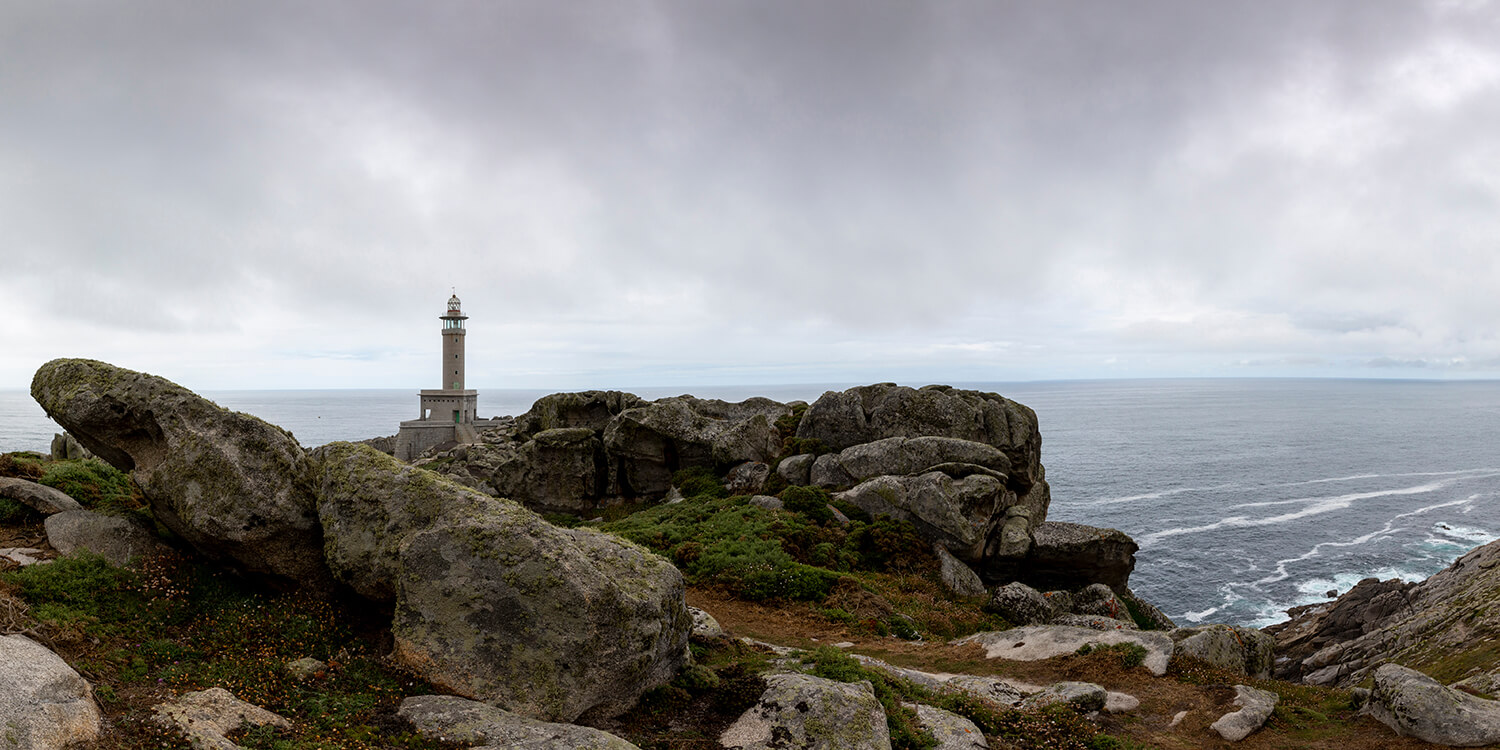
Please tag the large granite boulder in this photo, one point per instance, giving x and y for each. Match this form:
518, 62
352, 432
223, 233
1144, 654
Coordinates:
899, 455
495, 604
1416, 705
233, 486
454, 719
959, 514
1020, 604
562, 469
802, 711
591, 410
44, 704
652, 440
874, 412
1242, 650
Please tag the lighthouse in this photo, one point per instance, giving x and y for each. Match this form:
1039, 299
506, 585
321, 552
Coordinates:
448, 414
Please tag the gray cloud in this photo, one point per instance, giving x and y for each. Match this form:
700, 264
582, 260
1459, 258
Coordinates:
837, 190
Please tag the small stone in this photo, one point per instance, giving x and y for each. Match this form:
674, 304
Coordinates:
704, 624
768, 502
1255, 705
305, 668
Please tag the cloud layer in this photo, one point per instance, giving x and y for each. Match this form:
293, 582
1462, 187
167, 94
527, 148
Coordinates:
633, 193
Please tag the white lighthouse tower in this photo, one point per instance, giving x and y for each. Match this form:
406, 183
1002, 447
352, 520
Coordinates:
448, 413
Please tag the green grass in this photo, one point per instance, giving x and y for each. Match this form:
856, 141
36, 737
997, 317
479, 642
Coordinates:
181, 627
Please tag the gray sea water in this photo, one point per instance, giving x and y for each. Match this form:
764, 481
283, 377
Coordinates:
1246, 496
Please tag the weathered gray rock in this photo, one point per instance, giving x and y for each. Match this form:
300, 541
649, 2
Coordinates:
1340, 641
118, 540
913, 676
803, 711
207, 716
875, 412
44, 704
1071, 556
747, 478
952, 732
1118, 703
767, 501
461, 720
1416, 705
1099, 600
558, 470
1046, 641
988, 688
1255, 705
1155, 618
704, 624
1093, 622
234, 487
796, 469
492, 602
1246, 651
901, 455
65, 447
956, 513
40, 497
22, 556
1020, 604
653, 440
591, 410
1083, 696
956, 576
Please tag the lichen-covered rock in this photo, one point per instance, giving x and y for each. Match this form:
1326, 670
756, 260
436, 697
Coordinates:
65, 447
206, 717
900, 455
1020, 604
558, 470
952, 732
591, 410
988, 688
1046, 641
704, 624
955, 575
803, 711
118, 540
959, 514
795, 470
1083, 696
44, 704
652, 440
1154, 618
748, 478
492, 602
1242, 650
454, 719
1255, 705
39, 497
1416, 705
1071, 556
1099, 600
234, 487
875, 412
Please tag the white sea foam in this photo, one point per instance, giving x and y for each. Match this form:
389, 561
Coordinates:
1471, 536
1198, 616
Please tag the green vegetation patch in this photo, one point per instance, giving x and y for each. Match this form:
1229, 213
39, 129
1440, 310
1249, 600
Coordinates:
95, 485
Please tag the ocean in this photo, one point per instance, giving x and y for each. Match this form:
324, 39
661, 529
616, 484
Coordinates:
1246, 496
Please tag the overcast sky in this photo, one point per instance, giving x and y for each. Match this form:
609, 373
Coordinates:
283, 195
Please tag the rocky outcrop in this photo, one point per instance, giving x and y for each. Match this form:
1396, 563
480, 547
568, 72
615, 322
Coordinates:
234, 487
1416, 705
1046, 641
590, 410
803, 711
454, 719
1432, 626
118, 540
875, 412
1070, 556
952, 732
900, 455
651, 441
40, 497
1241, 650
44, 704
206, 717
492, 602
65, 447
959, 514
1255, 705
955, 575
1020, 604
